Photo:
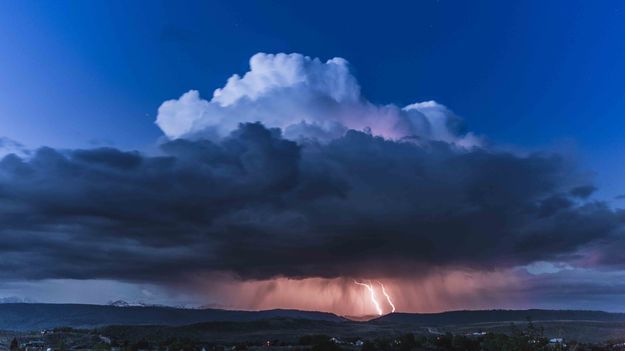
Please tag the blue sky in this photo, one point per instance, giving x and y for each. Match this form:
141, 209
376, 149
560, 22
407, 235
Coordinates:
527, 75
530, 74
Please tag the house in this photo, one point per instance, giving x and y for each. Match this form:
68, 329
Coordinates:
556, 343
336, 340
105, 339
34, 345
619, 346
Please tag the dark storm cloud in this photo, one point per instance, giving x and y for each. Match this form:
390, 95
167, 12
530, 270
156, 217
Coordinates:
583, 191
259, 206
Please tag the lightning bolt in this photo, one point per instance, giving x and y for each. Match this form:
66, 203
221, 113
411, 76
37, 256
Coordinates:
374, 299
388, 298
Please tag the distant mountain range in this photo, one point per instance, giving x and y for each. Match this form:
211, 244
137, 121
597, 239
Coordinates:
16, 299
492, 316
38, 316
123, 303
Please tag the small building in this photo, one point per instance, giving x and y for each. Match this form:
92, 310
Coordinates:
34, 345
556, 343
619, 346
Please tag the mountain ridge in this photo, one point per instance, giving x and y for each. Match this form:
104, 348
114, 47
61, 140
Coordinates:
499, 315
38, 316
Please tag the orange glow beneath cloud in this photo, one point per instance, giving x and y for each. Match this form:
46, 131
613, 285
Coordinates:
439, 291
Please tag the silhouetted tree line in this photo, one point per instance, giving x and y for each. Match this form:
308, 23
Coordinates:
529, 338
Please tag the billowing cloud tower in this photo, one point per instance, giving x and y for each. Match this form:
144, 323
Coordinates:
306, 98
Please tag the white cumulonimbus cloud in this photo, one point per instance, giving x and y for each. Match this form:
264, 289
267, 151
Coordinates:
306, 98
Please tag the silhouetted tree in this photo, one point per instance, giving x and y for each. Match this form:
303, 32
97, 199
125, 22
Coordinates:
368, 346
141, 345
313, 339
14, 345
326, 345
444, 341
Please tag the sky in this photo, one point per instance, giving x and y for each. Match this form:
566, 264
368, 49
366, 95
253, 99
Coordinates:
268, 154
